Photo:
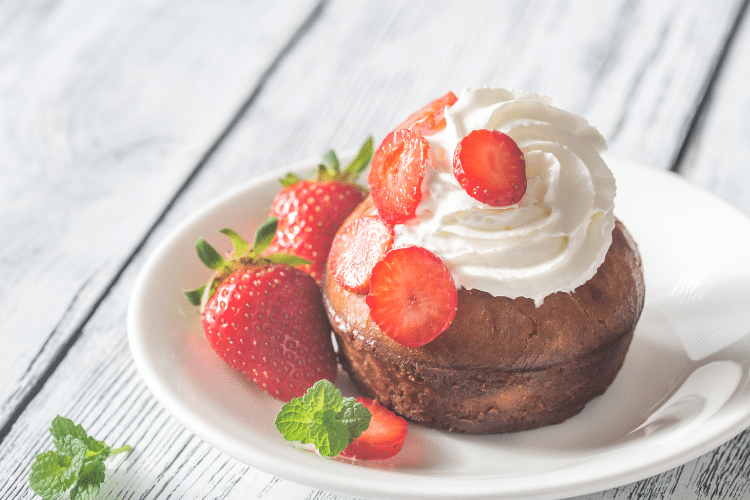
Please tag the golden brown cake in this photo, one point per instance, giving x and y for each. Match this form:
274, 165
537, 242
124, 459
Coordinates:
535, 290
503, 365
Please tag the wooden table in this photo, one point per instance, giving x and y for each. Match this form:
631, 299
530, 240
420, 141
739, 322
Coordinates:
119, 119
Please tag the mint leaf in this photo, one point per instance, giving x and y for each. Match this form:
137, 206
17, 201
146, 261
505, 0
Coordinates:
329, 435
77, 464
324, 418
96, 449
62, 427
71, 446
63, 430
323, 395
293, 421
355, 416
89, 481
53, 473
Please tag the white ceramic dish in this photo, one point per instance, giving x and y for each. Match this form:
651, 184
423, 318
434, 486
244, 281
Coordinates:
664, 409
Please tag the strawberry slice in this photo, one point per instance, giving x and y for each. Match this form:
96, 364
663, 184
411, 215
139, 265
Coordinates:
431, 118
412, 296
490, 167
355, 250
383, 438
396, 175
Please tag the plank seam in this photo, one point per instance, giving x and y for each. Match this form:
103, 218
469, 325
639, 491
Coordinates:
714, 75
65, 348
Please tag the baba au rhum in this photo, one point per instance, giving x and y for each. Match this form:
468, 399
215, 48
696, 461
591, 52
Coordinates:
549, 288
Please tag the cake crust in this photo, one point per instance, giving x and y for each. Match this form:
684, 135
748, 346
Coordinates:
504, 364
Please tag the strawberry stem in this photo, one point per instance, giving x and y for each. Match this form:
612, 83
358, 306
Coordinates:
120, 450
241, 247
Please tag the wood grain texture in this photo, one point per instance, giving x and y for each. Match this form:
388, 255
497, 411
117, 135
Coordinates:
635, 69
719, 157
106, 110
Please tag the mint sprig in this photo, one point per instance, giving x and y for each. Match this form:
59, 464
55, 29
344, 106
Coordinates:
77, 464
323, 417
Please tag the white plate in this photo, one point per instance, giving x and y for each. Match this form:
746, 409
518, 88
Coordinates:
663, 409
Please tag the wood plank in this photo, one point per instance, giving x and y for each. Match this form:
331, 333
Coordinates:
716, 160
636, 70
106, 109
719, 158
362, 68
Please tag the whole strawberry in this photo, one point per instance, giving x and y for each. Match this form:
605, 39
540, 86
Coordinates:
310, 211
264, 317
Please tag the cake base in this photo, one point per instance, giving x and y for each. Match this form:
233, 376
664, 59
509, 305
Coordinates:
503, 365
485, 401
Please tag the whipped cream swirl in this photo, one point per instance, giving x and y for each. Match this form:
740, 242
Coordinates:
555, 238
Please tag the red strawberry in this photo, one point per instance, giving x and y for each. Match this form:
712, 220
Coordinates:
412, 296
490, 167
266, 318
357, 247
431, 118
310, 211
383, 438
396, 175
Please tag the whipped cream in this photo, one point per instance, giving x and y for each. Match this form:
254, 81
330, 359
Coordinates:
555, 238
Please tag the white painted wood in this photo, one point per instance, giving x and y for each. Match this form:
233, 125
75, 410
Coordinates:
633, 69
361, 68
106, 108
719, 158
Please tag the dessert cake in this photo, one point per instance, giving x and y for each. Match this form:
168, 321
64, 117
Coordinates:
548, 285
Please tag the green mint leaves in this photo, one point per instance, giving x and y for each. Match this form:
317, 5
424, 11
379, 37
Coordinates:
77, 464
323, 417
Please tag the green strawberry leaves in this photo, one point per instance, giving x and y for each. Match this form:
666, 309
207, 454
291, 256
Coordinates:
360, 161
246, 255
331, 161
242, 255
323, 417
329, 168
77, 464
